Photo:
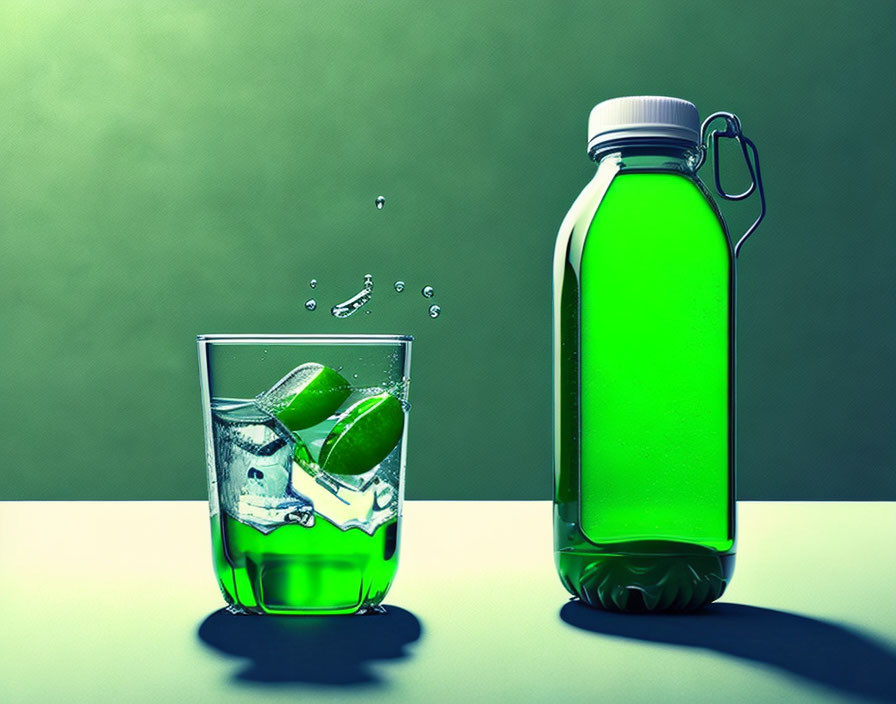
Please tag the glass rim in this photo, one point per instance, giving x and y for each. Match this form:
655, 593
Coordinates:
302, 338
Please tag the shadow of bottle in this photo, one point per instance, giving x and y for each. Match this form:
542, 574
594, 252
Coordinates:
332, 650
820, 651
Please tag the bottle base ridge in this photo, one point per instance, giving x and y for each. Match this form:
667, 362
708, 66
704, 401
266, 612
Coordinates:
642, 582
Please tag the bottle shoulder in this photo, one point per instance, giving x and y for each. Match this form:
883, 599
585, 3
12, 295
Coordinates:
627, 203
659, 200
570, 237
653, 189
661, 189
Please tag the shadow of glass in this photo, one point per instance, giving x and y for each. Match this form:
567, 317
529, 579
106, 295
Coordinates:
325, 650
820, 651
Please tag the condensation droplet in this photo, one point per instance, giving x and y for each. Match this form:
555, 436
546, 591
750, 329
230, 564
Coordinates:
399, 286
311, 304
434, 311
313, 283
427, 292
380, 202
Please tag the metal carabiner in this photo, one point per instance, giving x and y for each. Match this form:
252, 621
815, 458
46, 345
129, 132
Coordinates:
733, 131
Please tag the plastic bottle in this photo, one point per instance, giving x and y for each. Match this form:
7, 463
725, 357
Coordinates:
644, 283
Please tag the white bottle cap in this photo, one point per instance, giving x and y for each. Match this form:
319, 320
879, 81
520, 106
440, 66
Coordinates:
640, 117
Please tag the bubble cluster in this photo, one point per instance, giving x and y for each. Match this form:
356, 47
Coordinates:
360, 299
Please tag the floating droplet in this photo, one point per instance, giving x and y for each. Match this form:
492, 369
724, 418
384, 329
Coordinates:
346, 308
310, 304
434, 311
427, 292
399, 286
313, 283
380, 202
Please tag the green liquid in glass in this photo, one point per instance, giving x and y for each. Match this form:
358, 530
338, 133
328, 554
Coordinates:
299, 570
644, 511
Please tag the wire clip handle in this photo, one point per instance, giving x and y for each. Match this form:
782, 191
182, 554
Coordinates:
751, 157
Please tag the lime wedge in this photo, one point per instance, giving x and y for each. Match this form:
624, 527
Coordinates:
301, 454
309, 394
364, 437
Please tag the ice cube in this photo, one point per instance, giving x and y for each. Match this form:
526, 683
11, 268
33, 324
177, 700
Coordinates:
303, 515
254, 457
366, 505
359, 482
384, 493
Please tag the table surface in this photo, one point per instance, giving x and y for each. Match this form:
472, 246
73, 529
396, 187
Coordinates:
116, 601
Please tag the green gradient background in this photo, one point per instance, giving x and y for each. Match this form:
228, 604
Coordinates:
168, 168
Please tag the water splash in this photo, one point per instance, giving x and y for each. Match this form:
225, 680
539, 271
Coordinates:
347, 308
313, 283
435, 311
427, 292
380, 202
310, 304
398, 285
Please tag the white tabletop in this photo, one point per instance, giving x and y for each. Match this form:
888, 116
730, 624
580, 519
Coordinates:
116, 601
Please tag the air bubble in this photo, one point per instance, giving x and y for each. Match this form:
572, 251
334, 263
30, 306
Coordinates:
380, 202
434, 311
427, 292
310, 304
399, 286
313, 283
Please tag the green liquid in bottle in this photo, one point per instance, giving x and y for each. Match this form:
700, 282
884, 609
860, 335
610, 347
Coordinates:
644, 503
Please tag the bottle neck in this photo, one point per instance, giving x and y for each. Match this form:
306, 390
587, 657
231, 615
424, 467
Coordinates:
649, 157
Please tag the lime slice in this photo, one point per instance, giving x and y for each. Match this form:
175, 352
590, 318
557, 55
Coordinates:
309, 394
364, 437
